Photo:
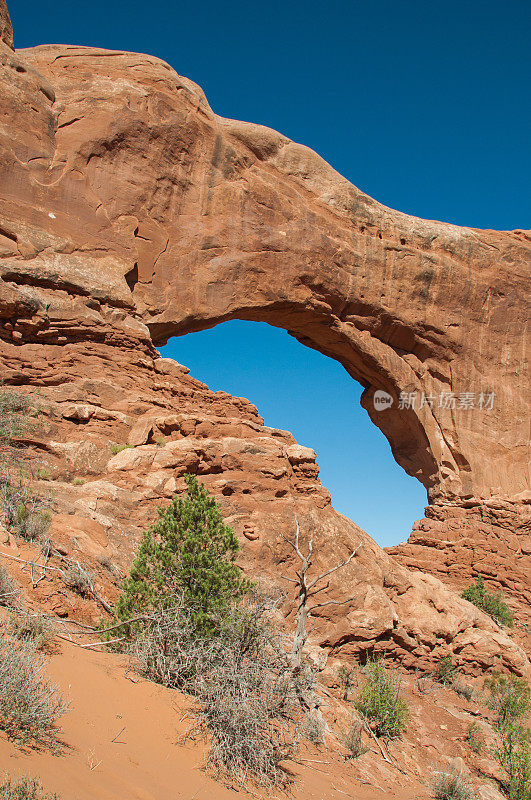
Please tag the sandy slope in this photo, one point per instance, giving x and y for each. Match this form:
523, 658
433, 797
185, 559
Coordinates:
121, 744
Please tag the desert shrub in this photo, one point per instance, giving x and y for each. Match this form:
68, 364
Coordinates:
352, 739
251, 700
107, 564
14, 422
463, 689
491, 603
24, 788
43, 474
475, 738
160, 441
347, 678
32, 627
24, 512
514, 756
445, 671
379, 701
510, 699
188, 552
32, 524
29, 705
78, 482
9, 590
79, 580
195, 623
453, 785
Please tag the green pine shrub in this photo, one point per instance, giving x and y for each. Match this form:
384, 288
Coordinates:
491, 603
380, 703
189, 552
193, 622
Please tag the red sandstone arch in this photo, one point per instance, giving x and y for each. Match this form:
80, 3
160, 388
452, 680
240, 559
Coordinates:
207, 219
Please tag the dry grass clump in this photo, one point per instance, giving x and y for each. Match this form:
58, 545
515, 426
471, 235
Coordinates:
464, 690
29, 704
446, 671
251, 700
475, 738
24, 512
117, 448
33, 628
25, 788
453, 785
79, 580
9, 590
352, 739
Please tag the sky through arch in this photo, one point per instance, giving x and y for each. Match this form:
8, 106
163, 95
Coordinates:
300, 390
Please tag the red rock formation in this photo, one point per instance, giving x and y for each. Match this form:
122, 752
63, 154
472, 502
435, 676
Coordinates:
6, 29
491, 538
130, 212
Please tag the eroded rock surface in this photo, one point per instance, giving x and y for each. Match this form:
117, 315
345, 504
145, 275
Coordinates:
96, 399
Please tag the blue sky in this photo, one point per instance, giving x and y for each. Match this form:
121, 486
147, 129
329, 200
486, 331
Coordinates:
423, 105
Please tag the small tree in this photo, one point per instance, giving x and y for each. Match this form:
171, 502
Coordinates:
307, 589
189, 552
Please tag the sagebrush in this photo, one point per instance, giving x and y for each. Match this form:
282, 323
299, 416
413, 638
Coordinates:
35, 628
25, 788
29, 704
453, 785
251, 701
353, 739
9, 589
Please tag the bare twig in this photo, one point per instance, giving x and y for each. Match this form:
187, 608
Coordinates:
117, 735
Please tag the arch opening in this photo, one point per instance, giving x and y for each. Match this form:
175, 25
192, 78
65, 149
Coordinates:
301, 390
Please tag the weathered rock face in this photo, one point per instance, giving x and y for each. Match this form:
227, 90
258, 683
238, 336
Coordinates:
130, 212
6, 29
459, 542
130, 179
92, 395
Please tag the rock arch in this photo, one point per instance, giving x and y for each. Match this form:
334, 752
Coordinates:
208, 219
